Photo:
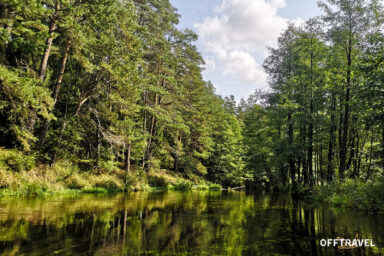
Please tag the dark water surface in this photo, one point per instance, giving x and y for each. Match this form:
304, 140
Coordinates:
180, 223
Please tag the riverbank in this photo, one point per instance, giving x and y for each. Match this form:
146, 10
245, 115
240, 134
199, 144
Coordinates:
355, 194
20, 176
61, 179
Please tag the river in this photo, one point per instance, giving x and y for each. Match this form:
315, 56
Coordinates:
181, 223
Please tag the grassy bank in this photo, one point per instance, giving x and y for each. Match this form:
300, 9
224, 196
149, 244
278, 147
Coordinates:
354, 194
20, 176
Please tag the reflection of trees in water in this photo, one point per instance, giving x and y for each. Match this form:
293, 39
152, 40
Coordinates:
176, 223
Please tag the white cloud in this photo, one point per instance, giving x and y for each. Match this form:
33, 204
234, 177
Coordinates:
242, 64
210, 64
240, 31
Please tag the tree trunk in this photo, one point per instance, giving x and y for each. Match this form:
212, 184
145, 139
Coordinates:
127, 164
332, 139
48, 43
382, 145
344, 139
291, 157
44, 131
370, 159
310, 146
151, 133
66, 122
304, 158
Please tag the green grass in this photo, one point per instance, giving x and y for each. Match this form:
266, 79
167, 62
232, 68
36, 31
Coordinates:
20, 177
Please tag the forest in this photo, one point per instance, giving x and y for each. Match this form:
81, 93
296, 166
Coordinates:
110, 94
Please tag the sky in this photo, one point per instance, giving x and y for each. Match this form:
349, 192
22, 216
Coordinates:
234, 36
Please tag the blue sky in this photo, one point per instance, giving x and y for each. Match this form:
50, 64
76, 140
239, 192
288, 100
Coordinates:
234, 34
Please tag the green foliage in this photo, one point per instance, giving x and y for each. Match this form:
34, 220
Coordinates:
113, 85
215, 187
157, 181
94, 191
76, 181
352, 193
22, 99
181, 184
111, 94
109, 166
11, 159
109, 183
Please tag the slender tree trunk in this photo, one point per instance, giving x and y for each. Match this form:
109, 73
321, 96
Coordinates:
299, 170
144, 125
344, 139
291, 157
322, 175
48, 43
127, 164
310, 128
98, 142
356, 171
382, 145
330, 166
66, 122
304, 158
151, 132
47, 122
370, 159
310, 145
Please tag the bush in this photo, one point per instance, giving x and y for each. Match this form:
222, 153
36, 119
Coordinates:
35, 189
76, 182
214, 187
6, 179
182, 185
15, 160
109, 166
107, 182
201, 187
63, 170
352, 193
157, 181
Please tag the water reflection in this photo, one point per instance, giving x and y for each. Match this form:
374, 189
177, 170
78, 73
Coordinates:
176, 223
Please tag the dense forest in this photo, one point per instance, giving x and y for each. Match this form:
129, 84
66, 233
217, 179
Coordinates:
115, 85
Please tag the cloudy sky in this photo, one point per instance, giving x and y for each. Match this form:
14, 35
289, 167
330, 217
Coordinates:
234, 34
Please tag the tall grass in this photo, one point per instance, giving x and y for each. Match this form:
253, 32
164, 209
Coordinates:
352, 193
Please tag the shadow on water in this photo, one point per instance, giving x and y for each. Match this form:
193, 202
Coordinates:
180, 223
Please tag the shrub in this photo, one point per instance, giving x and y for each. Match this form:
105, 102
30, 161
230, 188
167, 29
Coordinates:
109, 166
183, 185
76, 182
6, 178
352, 193
107, 182
157, 181
201, 187
16, 160
214, 187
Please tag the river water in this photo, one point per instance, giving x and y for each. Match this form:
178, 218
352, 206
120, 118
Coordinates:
181, 223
